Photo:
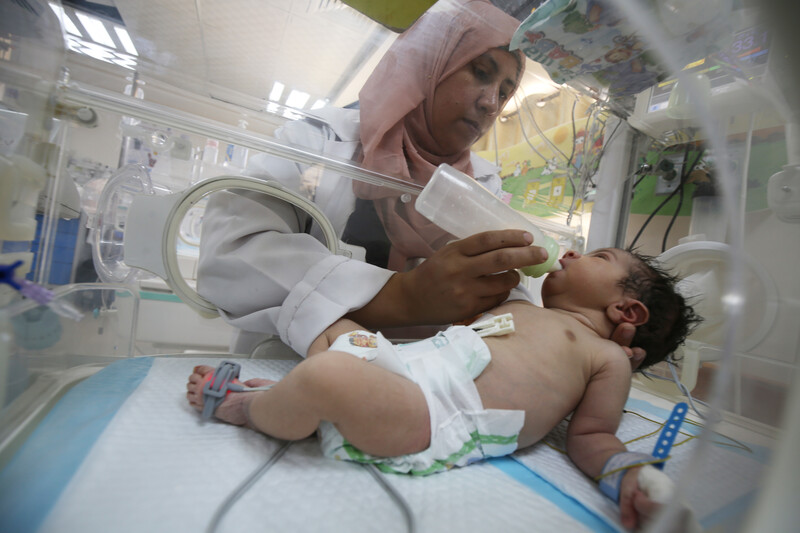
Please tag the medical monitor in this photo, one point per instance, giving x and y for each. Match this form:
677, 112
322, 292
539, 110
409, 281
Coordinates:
734, 74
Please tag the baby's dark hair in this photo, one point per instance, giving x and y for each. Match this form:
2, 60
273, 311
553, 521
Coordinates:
671, 320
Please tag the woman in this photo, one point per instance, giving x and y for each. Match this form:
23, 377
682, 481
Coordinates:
437, 90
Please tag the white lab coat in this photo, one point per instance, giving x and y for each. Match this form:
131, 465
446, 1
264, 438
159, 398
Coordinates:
260, 267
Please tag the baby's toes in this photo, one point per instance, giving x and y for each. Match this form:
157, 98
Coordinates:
202, 370
194, 400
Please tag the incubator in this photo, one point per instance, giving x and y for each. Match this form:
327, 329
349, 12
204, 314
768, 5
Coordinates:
668, 126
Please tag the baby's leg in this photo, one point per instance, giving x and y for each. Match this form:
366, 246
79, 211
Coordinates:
377, 411
231, 410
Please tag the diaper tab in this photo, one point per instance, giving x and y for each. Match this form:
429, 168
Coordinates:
495, 327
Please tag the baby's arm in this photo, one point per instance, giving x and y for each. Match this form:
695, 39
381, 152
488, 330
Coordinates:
591, 438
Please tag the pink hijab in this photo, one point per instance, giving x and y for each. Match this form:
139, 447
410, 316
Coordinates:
396, 107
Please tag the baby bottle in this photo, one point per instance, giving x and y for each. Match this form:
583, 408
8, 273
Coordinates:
460, 205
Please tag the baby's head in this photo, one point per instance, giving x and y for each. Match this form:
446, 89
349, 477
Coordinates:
671, 319
626, 287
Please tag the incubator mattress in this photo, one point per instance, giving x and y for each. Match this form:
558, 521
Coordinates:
123, 451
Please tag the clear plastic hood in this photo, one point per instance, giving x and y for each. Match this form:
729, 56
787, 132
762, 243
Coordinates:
693, 160
301, 54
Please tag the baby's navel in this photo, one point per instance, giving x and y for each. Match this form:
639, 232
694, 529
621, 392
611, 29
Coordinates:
570, 335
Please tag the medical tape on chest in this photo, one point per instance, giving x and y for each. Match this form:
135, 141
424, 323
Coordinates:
495, 326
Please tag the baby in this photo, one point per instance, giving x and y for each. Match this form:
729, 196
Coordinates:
457, 398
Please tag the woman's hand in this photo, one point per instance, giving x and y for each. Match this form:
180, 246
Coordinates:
623, 336
469, 276
460, 280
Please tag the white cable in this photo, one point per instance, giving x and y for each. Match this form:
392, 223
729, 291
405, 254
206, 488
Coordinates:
546, 139
251, 480
408, 514
245, 486
685, 391
525, 134
255, 389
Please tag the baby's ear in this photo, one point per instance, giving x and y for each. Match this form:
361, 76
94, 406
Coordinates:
628, 310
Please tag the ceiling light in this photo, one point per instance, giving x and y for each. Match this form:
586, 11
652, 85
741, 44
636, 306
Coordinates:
297, 99
96, 29
319, 104
66, 22
276, 92
126, 41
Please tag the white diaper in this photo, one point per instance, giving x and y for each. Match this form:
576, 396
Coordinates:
444, 367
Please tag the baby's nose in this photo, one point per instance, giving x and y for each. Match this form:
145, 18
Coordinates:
572, 254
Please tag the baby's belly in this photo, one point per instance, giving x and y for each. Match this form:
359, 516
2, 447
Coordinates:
545, 397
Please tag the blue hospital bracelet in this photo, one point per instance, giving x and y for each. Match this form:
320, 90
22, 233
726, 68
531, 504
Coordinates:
615, 469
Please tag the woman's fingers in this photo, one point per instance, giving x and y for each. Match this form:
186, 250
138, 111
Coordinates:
493, 240
495, 284
497, 251
623, 335
460, 280
453, 285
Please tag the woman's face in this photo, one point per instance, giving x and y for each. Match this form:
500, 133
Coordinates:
466, 103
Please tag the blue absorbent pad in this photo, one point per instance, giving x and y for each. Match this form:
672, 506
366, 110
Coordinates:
36, 475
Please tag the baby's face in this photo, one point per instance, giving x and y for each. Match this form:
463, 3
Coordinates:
591, 280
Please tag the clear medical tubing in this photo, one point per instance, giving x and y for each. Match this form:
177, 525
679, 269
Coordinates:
460, 205
652, 31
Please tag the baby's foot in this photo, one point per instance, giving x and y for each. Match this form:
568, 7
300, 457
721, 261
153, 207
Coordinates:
233, 408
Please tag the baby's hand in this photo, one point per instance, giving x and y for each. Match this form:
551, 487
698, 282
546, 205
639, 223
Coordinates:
642, 493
